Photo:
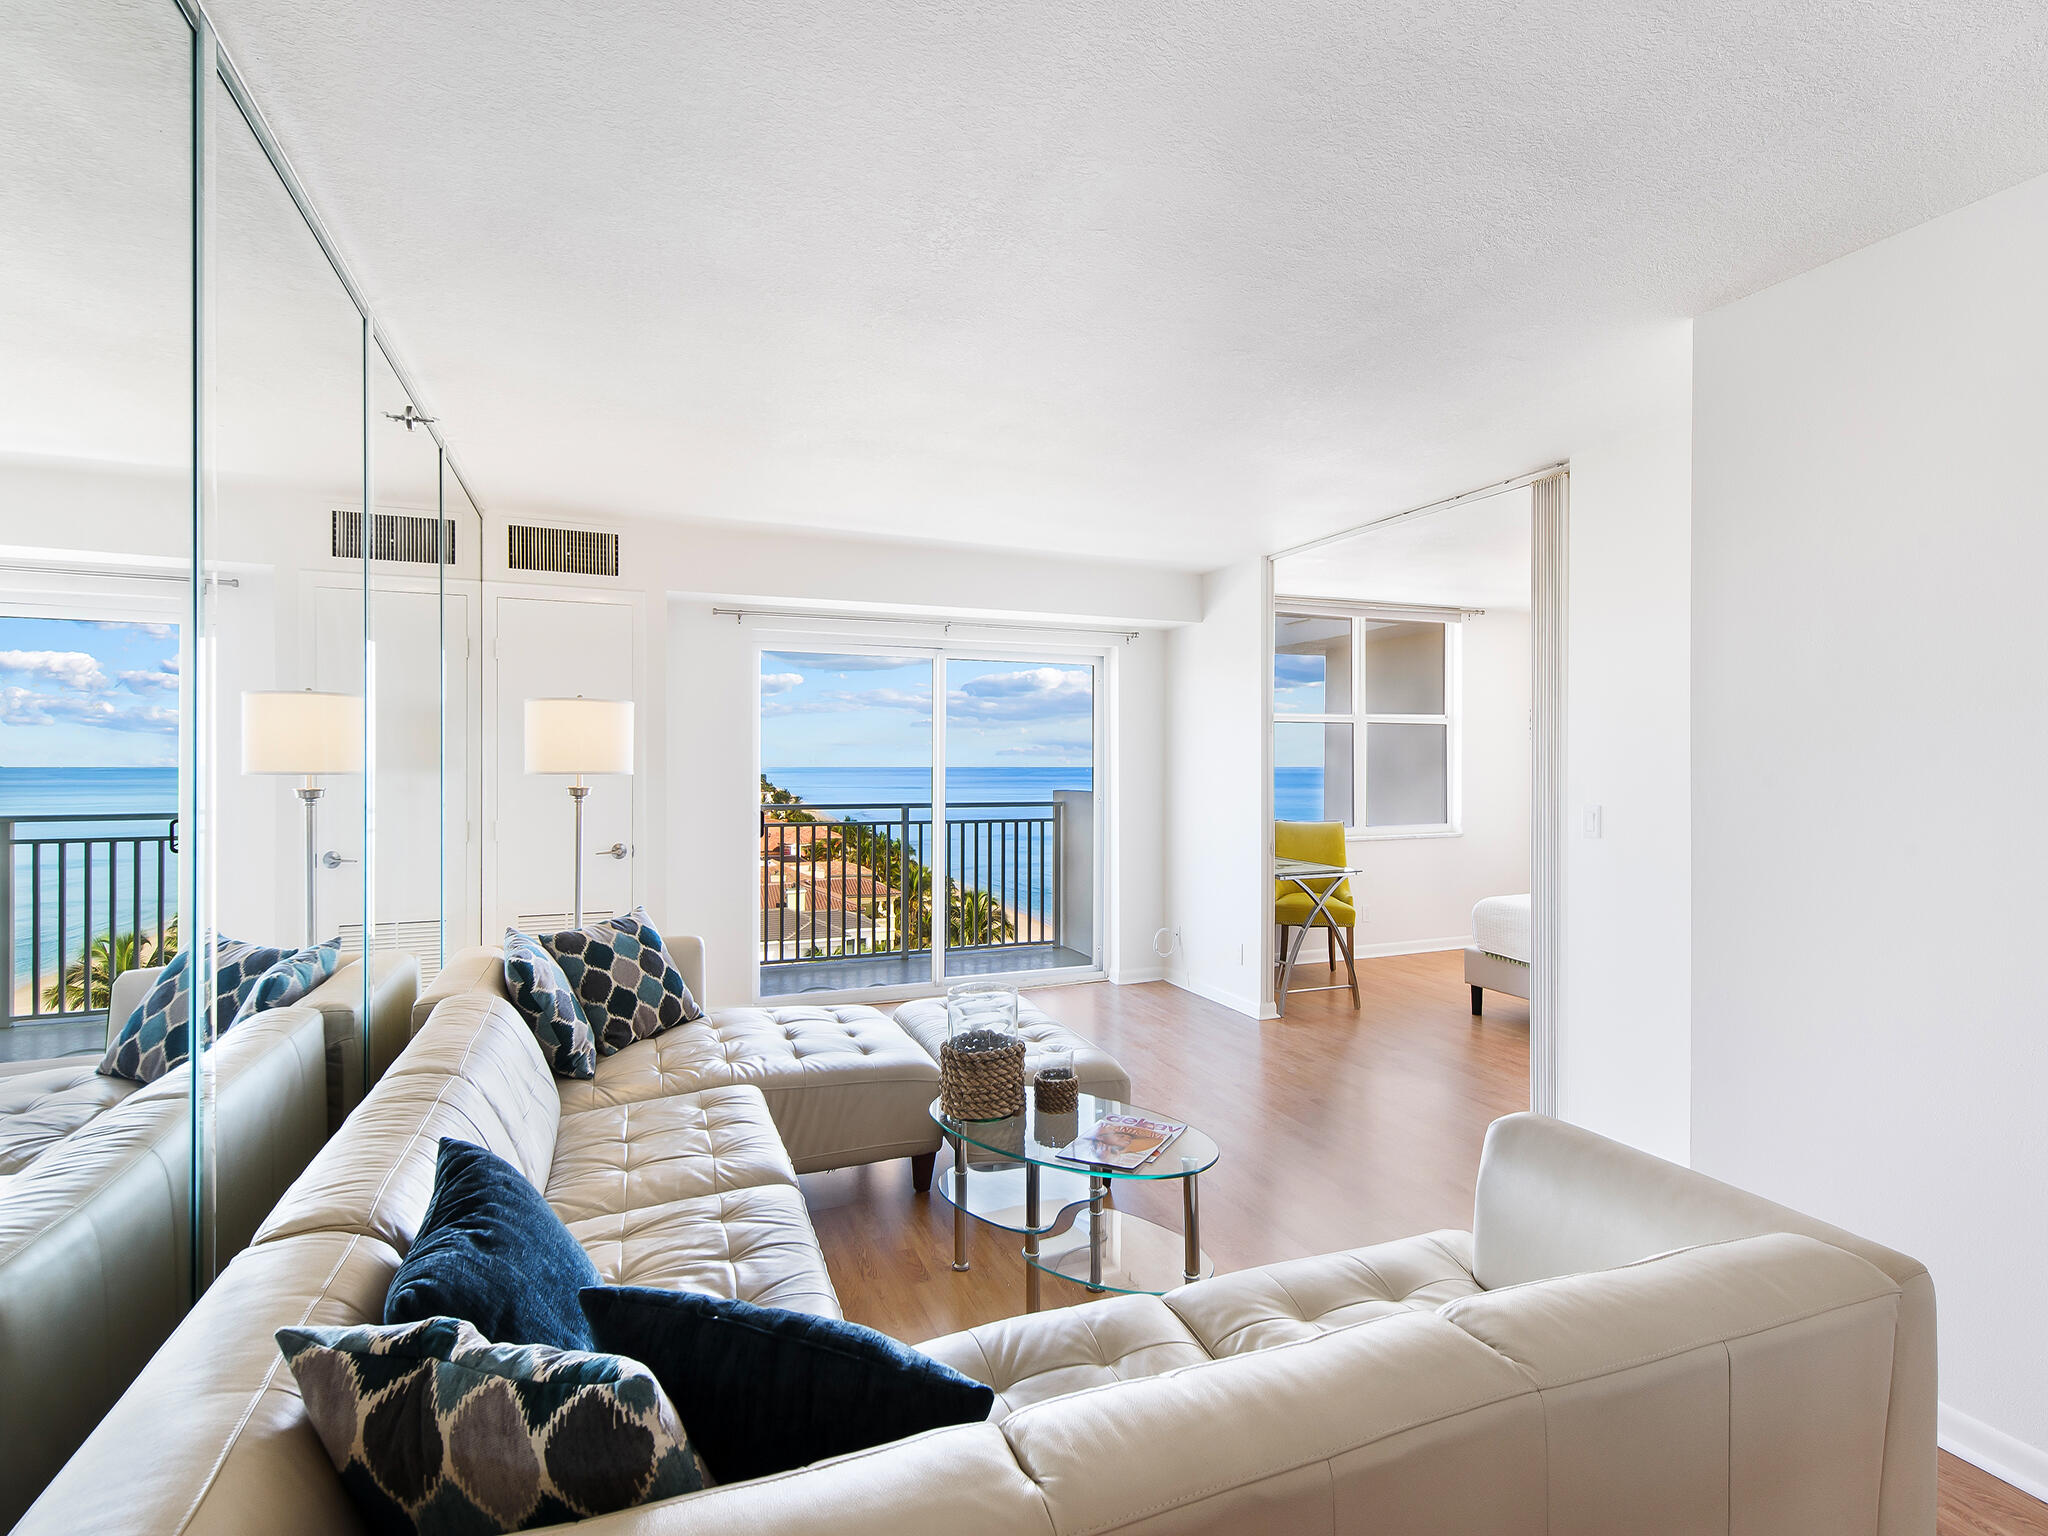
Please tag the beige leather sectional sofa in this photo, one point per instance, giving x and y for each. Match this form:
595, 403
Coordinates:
1619, 1345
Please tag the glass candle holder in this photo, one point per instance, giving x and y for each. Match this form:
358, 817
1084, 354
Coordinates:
1055, 1087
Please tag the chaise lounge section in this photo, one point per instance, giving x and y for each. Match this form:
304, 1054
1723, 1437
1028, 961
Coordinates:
1619, 1345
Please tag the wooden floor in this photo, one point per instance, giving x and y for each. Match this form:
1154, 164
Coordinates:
1338, 1128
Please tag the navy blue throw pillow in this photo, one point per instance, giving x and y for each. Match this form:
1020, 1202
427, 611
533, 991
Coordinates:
765, 1390
493, 1253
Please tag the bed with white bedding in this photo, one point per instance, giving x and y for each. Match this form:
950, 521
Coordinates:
1498, 956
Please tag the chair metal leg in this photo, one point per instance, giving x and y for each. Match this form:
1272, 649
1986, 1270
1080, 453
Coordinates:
1350, 965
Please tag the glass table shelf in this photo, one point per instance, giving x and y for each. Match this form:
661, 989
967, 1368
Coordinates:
1011, 1174
1117, 1251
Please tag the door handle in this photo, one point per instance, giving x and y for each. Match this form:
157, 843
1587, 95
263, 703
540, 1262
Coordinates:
616, 851
332, 860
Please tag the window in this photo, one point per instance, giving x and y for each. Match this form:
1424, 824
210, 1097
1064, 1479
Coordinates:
1364, 717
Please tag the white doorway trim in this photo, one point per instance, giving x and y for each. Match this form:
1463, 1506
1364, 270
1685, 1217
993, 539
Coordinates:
1550, 608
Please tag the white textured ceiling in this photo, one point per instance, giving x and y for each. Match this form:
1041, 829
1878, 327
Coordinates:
1176, 281
1473, 555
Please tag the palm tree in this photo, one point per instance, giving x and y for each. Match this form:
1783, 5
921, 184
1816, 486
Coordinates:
976, 917
111, 955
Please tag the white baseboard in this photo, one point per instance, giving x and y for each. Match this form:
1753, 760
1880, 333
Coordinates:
1404, 947
1248, 1006
2014, 1461
1137, 974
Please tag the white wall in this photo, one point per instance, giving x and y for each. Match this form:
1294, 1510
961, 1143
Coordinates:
1417, 893
1218, 893
1870, 727
1624, 1035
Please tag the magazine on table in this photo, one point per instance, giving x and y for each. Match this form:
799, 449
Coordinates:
1123, 1141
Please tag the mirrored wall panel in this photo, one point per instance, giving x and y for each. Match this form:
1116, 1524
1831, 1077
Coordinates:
240, 699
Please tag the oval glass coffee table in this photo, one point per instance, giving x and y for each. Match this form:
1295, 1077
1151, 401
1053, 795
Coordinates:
1010, 1174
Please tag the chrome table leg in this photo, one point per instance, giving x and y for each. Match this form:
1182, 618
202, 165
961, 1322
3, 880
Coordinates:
1097, 1188
958, 1174
1031, 1237
1191, 1228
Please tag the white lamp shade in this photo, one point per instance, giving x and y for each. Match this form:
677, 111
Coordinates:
302, 733
579, 736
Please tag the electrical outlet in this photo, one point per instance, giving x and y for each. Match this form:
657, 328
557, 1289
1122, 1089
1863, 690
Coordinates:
1595, 817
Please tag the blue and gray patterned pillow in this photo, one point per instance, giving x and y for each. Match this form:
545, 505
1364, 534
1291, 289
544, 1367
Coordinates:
157, 1035
623, 979
436, 1432
290, 979
541, 993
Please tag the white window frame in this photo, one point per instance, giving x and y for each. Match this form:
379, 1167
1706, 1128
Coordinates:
825, 636
1361, 723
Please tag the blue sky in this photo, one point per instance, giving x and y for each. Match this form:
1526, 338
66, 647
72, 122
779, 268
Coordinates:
1298, 690
87, 693
875, 711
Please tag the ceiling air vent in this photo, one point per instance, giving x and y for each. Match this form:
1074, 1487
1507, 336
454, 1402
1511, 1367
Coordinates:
565, 551
393, 536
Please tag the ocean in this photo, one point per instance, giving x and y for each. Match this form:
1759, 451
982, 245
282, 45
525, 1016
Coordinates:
26, 793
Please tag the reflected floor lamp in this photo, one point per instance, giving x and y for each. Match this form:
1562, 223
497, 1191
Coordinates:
580, 736
307, 735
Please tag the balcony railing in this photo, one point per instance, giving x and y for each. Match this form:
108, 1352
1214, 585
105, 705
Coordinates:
82, 898
856, 879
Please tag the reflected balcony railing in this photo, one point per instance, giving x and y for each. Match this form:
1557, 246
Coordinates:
849, 880
83, 897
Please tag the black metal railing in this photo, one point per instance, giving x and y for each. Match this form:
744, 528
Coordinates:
82, 898
844, 880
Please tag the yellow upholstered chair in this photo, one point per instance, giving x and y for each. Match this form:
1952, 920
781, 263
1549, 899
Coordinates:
1322, 842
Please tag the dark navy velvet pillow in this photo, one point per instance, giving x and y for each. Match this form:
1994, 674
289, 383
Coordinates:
492, 1252
764, 1390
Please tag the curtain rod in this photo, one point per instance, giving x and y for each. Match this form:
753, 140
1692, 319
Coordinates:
1367, 608
111, 573
741, 615
1498, 488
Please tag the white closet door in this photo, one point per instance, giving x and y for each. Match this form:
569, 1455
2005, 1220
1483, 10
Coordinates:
548, 648
406, 641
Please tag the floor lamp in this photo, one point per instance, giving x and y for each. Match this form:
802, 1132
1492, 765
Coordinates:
580, 736
306, 735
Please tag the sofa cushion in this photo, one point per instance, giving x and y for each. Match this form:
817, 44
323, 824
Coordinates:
1048, 1354
39, 1109
290, 978
1100, 1075
769, 1389
540, 992
844, 1084
623, 979
492, 1251
755, 1244
623, 1157
438, 1432
157, 1035
1300, 1298
474, 1073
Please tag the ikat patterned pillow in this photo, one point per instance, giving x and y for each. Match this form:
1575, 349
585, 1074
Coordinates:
436, 1432
541, 993
291, 979
623, 979
157, 1035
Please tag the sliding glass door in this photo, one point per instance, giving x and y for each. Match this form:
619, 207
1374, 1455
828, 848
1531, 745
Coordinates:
902, 846
1020, 817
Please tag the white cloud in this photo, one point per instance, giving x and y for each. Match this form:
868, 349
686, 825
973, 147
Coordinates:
1032, 693
163, 677
22, 706
67, 669
840, 702
781, 682
154, 631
